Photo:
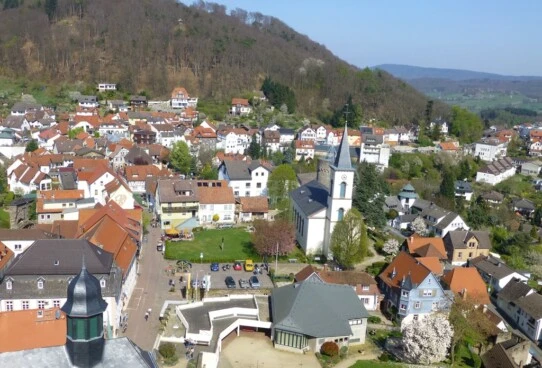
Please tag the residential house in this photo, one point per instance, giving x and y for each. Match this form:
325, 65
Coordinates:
93, 182
248, 179
138, 155
467, 283
88, 102
25, 179
462, 246
144, 136
411, 290
374, 151
513, 353
116, 157
402, 202
298, 326
119, 192
493, 197
253, 208
496, 172
531, 168
443, 126
7, 137
535, 148
22, 108
523, 305
463, 189
105, 87
495, 272
287, 136
137, 174
240, 106
524, 207
450, 147
113, 128
490, 149
419, 246
16, 123
304, 149
216, 202
233, 140
55, 205
271, 140
437, 219
363, 283
138, 102
176, 202
39, 277
118, 105
18, 240
181, 100
306, 134
321, 133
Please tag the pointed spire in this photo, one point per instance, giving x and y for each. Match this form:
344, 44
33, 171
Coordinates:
342, 159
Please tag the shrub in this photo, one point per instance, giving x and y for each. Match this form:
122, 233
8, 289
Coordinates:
9, 197
476, 360
343, 352
376, 268
167, 350
374, 319
330, 349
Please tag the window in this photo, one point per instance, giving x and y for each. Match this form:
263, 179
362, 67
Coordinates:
236, 194
342, 190
247, 194
95, 191
63, 204
102, 283
25, 304
460, 255
404, 294
48, 216
365, 287
258, 185
366, 301
470, 254
415, 317
56, 303
41, 304
417, 305
9, 285
427, 292
18, 246
472, 244
9, 305
340, 214
40, 284
247, 185
403, 307
42, 217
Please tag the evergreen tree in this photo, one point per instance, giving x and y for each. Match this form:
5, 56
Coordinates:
31, 146
50, 8
370, 192
447, 186
254, 149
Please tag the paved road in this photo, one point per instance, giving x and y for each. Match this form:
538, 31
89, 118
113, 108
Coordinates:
150, 292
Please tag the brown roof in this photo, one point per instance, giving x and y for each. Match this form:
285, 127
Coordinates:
402, 266
239, 101
305, 273
449, 146
141, 172
433, 263
26, 329
426, 247
88, 163
467, 279
254, 204
216, 195
61, 194
299, 144
179, 91
65, 228
362, 281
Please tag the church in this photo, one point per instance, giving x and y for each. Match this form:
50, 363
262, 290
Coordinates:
321, 203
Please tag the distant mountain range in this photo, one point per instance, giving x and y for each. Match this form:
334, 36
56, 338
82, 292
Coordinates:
409, 72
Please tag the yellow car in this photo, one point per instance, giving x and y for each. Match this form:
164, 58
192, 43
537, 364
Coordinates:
249, 265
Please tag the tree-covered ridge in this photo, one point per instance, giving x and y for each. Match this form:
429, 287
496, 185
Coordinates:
156, 45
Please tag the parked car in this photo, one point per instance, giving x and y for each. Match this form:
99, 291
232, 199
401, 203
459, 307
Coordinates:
200, 283
249, 265
243, 284
230, 282
215, 266
254, 282
237, 266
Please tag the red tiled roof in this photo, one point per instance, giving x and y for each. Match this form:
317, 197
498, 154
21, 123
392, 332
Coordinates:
402, 266
467, 280
254, 204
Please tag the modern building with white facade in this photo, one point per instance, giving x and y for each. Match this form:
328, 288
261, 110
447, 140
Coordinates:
490, 149
374, 150
246, 179
497, 171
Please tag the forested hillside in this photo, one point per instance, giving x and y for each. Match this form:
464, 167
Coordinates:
154, 45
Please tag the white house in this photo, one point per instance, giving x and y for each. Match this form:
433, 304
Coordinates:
18, 240
88, 102
114, 128
246, 179
496, 171
495, 272
490, 149
93, 183
522, 305
374, 151
25, 179
104, 87
233, 140
307, 134
304, 149
240, 106
287, 136
443, 126
321, 133
181, 100
56, 205
216, 203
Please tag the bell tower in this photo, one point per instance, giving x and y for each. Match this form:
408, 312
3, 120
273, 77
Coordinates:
84, 311
341, 188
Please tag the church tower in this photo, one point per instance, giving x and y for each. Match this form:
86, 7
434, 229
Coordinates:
84, 311
339, 200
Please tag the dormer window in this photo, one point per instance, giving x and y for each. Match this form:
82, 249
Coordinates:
102, 283
40, 284
9, 285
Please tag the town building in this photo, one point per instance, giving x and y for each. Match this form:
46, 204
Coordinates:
496, 172
181, 100
374, 151
240, 107
490, 149
495, 272
248, 179
462, 246
105, 87
467, 283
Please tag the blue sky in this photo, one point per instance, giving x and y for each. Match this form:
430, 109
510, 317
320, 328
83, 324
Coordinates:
491, 36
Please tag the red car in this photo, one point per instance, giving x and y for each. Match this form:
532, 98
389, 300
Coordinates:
237, 266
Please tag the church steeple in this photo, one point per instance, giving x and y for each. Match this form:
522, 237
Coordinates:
84, 309
342, 159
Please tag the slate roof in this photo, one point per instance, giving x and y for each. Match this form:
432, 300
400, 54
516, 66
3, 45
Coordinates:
84, 296
524, 204
117, 353
532, 305
458, 239
498, 167
462, 186
342, 160
40, 258
138, 154
497, 357
241, 170
491, 266
293, 309
493, 196
514, 290
311, 197
68, 180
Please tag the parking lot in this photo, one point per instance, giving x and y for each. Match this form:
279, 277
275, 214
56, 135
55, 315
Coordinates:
218, 277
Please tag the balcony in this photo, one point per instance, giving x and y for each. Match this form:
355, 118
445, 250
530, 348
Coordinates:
179, 209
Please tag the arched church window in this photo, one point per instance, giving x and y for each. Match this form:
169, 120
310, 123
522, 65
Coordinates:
342, 190
340, 214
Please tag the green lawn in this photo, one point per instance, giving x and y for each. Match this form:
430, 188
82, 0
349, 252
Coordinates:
377, 364
4, 219
237, 246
